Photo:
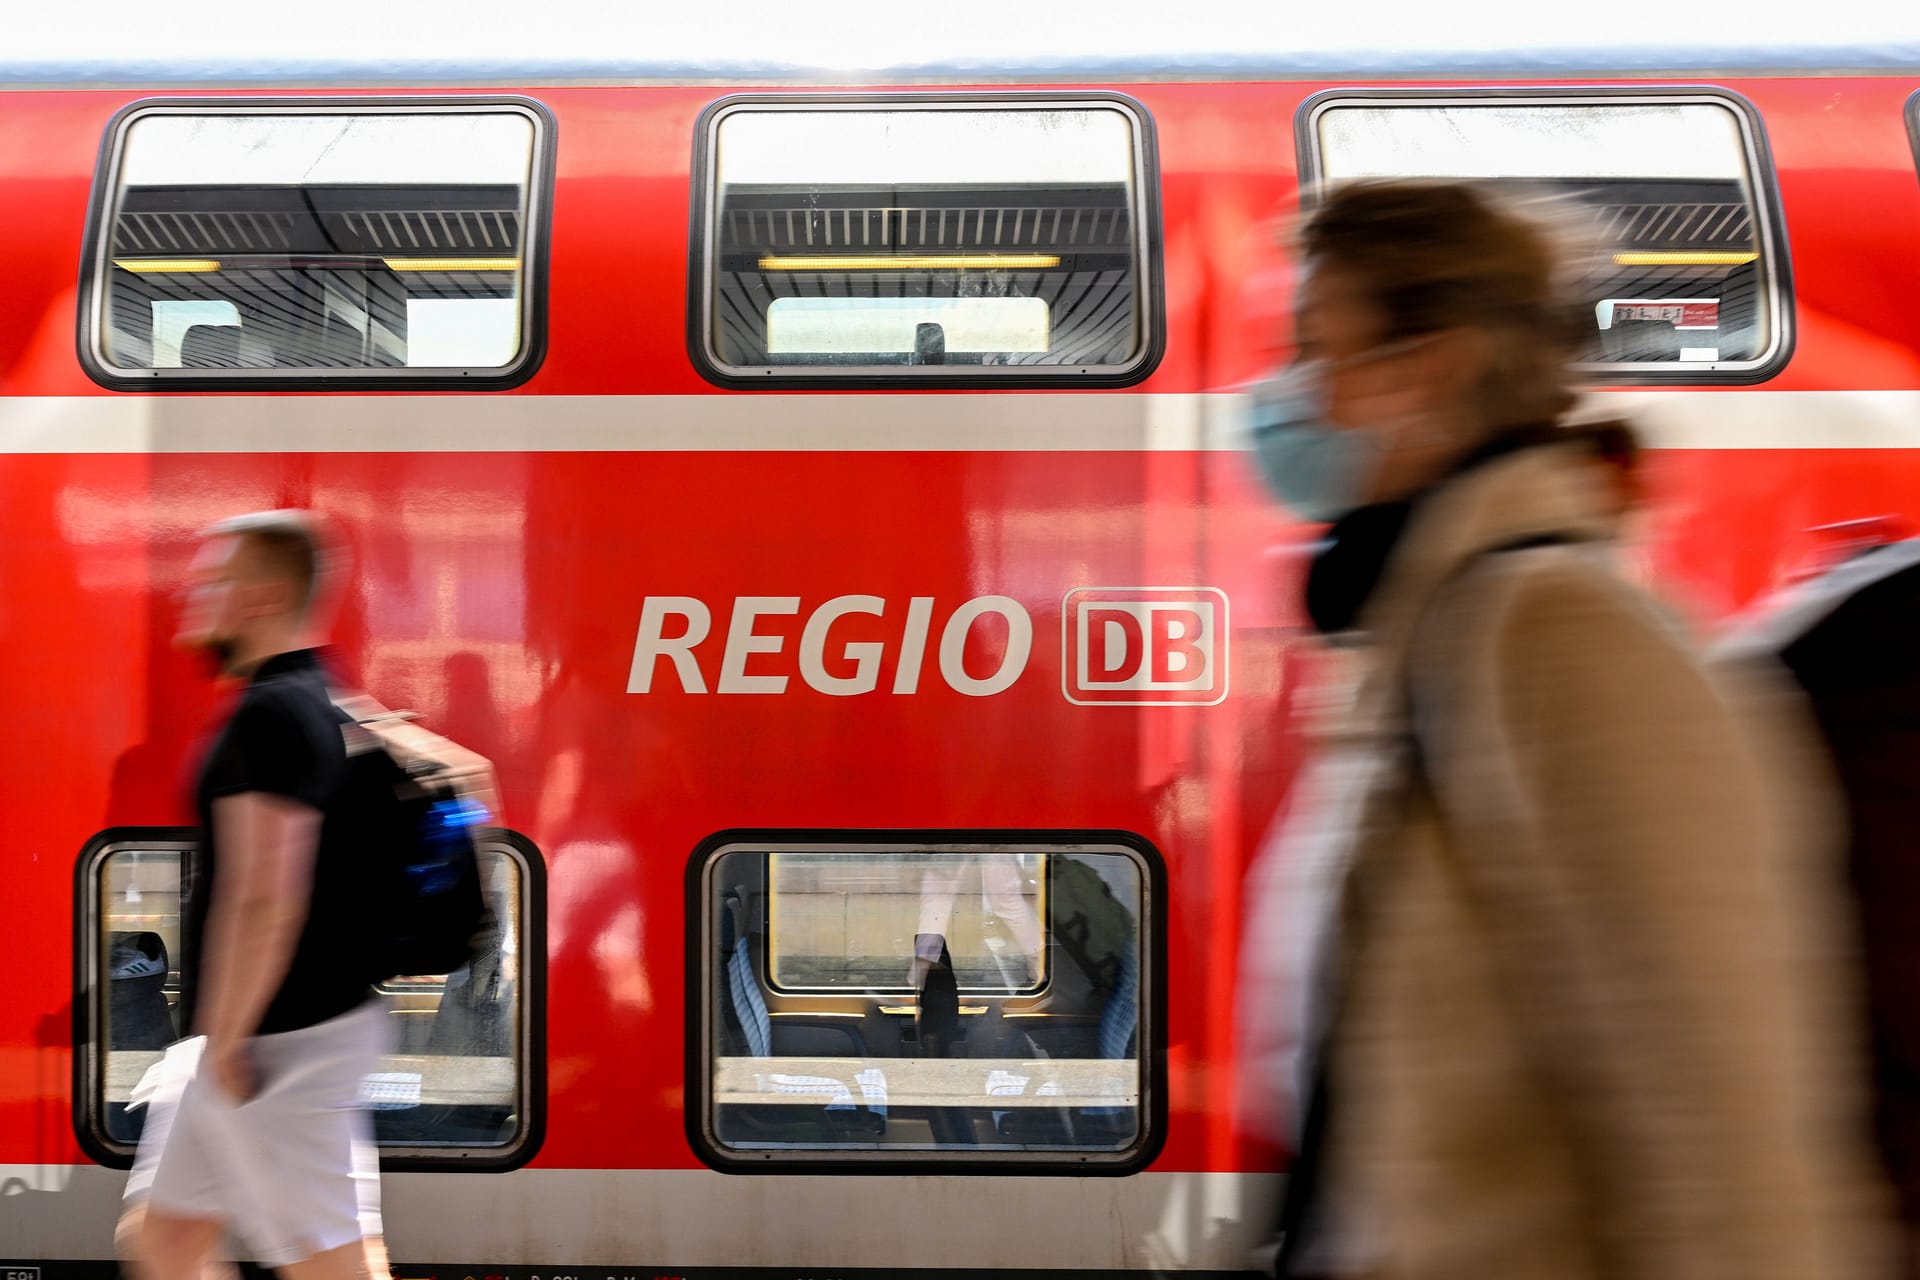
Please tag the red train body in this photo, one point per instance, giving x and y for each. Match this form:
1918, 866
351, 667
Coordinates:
508, 543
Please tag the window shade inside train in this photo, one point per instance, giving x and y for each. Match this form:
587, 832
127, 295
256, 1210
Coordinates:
242, 244
912, 240
1681, 256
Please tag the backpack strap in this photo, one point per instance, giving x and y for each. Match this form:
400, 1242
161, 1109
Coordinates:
364, 708
421, 752
1417, 779
1473, 561
1527, 542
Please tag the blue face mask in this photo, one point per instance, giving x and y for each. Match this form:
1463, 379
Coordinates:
1319, 470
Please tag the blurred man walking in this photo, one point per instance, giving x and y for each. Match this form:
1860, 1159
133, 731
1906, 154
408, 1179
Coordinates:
254, 1123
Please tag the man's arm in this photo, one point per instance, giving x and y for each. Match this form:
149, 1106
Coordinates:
259, 905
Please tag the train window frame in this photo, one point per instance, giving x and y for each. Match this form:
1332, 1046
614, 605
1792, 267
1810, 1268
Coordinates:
1770, 229
703, 979
95, 269
89, 1074
1912, 113
1146, 257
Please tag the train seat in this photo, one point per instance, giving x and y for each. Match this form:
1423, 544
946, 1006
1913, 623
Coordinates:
210, 346
224, 346
749, 1028
1110, 1037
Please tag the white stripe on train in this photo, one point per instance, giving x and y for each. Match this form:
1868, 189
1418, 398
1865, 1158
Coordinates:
561, 1222
1016, 422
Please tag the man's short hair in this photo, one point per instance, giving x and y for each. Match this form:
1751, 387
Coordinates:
290, 547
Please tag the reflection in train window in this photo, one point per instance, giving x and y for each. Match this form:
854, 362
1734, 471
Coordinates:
456, 1082
840, 921
927, 239
247, 243
1684, 266
940, 1002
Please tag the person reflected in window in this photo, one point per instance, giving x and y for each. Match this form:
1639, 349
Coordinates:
1013, 936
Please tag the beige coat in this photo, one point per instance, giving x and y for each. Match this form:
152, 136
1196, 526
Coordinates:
1599, 1022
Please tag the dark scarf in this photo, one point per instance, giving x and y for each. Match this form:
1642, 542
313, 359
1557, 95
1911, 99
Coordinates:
1353, 556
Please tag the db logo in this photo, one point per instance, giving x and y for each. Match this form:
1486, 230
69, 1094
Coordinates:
1144, 646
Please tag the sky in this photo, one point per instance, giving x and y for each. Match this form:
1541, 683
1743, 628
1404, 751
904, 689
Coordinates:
230, 34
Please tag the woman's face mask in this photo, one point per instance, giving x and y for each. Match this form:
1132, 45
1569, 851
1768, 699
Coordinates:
1355, 419
1319, 468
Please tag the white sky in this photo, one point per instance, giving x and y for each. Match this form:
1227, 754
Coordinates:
925, 146
467, 148
779, 33
1620, 140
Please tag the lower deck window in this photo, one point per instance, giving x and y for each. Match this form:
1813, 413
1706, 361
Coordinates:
942, 1002
457, 1083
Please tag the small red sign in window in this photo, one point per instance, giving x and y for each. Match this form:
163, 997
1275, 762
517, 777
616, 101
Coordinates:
1681, 313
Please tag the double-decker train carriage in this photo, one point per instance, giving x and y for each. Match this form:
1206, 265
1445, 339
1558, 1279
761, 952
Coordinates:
823, 504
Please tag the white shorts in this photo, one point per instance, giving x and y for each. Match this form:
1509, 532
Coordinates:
293, 1170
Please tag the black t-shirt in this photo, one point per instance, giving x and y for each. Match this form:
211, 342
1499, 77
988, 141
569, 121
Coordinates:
284, 739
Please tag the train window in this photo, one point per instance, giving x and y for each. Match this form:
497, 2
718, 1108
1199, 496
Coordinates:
462, 1085
914, 239
321, 243
931, 1000
1685, 267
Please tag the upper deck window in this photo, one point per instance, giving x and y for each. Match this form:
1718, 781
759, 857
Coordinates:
912, 239
334, 244
1685, 268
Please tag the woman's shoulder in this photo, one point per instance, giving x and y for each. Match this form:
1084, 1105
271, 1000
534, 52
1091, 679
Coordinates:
1569, 592
1555, 626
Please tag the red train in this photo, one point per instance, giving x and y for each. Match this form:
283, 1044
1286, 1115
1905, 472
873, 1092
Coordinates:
824, 507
